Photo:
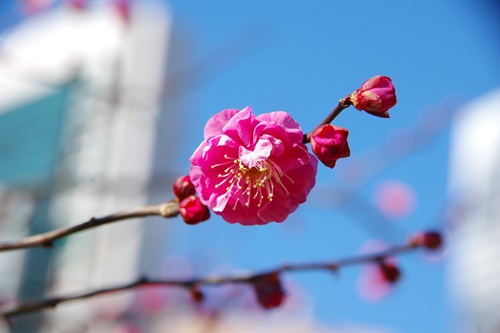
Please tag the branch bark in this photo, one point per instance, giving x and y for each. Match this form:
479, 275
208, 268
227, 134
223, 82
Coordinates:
193, 284
167, 210
343, 104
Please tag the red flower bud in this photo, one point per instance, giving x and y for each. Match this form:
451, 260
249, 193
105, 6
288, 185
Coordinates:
329, 143
183, 187
375, 96
431, 240
269, 291
197, 295
193, 211
390, 271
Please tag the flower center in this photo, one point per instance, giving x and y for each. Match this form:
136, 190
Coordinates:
255, 183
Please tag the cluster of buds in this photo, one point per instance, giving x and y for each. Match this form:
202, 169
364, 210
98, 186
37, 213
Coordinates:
375, 96
191, 209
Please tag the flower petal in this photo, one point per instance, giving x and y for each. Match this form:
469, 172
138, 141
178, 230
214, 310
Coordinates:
292, 128
261, 152
240, 126
216, 123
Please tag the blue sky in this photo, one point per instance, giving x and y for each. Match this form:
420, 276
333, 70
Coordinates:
302, 57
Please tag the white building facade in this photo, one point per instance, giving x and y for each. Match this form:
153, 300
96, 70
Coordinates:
475, 192
85, 86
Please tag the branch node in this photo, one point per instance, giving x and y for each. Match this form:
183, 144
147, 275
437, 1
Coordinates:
334, 268
379, 259
48, 244
169, 209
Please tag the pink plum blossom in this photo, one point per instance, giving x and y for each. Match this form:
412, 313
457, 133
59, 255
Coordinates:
253, 169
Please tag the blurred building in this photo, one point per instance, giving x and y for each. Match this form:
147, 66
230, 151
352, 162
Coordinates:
475, 192
80, 120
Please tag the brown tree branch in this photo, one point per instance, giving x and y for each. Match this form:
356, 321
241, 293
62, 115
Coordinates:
167, 210
344, 103
193, 284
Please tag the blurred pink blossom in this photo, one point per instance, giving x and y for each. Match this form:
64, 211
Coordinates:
151, 299
122, 8
30, 7
175, 267
395, 199
253, 170
77, 4
377, 279
373, 284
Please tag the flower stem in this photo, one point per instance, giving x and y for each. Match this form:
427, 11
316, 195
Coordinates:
343, 104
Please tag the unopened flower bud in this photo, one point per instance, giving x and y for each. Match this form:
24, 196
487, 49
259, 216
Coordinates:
431, 240
197, 295
183, 187
193, 211
375, 96
329, 143
390, 271
269, 291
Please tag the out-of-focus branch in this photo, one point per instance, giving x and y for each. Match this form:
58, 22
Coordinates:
417, 241
167, 210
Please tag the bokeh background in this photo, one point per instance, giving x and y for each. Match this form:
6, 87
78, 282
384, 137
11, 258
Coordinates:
296, 56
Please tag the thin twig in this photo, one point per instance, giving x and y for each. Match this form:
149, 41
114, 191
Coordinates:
344, 103
190, 284
167, 210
